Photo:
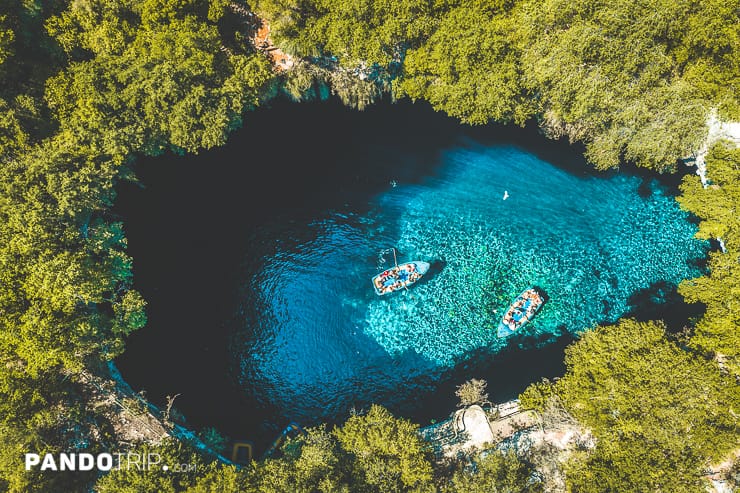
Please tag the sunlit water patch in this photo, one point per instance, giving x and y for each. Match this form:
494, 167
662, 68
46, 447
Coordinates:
589, 242
316, 339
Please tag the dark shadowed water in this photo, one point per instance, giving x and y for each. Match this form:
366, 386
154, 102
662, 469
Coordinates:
256, 261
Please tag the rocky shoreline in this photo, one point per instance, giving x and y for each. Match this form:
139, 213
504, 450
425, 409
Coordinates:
716, 130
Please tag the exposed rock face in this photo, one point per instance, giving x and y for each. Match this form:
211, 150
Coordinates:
717, 130
546, 441
132, 419
548, 449
470, 430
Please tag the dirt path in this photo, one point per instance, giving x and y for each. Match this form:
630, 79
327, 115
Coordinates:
263, 42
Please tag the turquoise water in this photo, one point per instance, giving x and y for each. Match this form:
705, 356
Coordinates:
315, 340
589, 242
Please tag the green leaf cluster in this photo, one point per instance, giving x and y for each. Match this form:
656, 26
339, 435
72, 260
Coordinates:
611, 75
358, 32
387, 454
150, 76
470, 67
495, 472
660, 414
372, 452
718, 206
633, 81
84, 87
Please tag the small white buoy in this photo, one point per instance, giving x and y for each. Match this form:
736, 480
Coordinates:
506, 194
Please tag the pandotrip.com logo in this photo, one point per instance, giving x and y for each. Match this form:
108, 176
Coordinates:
102, 462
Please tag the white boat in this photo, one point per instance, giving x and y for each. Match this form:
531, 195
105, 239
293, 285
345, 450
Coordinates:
399, 277
521, 311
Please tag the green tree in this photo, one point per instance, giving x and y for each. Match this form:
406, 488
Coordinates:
309, 463
660, 414
372, 452
386, 453
472, 392
156, 479
495, 472
6, 40
469, 67
66, 279
717, 205
151, 75
606, 76
358, 33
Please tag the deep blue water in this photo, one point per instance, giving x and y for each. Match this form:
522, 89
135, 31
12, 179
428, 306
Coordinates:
261, 308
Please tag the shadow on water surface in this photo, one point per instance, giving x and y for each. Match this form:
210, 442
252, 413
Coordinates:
508, 373
661, 301
186, 232
191, 222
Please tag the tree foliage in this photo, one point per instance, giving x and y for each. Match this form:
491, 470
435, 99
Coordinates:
495, 472
718, 331
472, 392
309, 463
357, 32
609, 75
386, 453
660, 414
371, 452
150, 76
84, 86
470, 66
633, 81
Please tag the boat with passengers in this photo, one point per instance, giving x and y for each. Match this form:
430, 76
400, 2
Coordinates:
522, 310
399, 277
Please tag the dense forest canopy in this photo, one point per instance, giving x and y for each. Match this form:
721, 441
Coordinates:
632, 80
373, 452
659, 413
150, 76
717, 205
86, 86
